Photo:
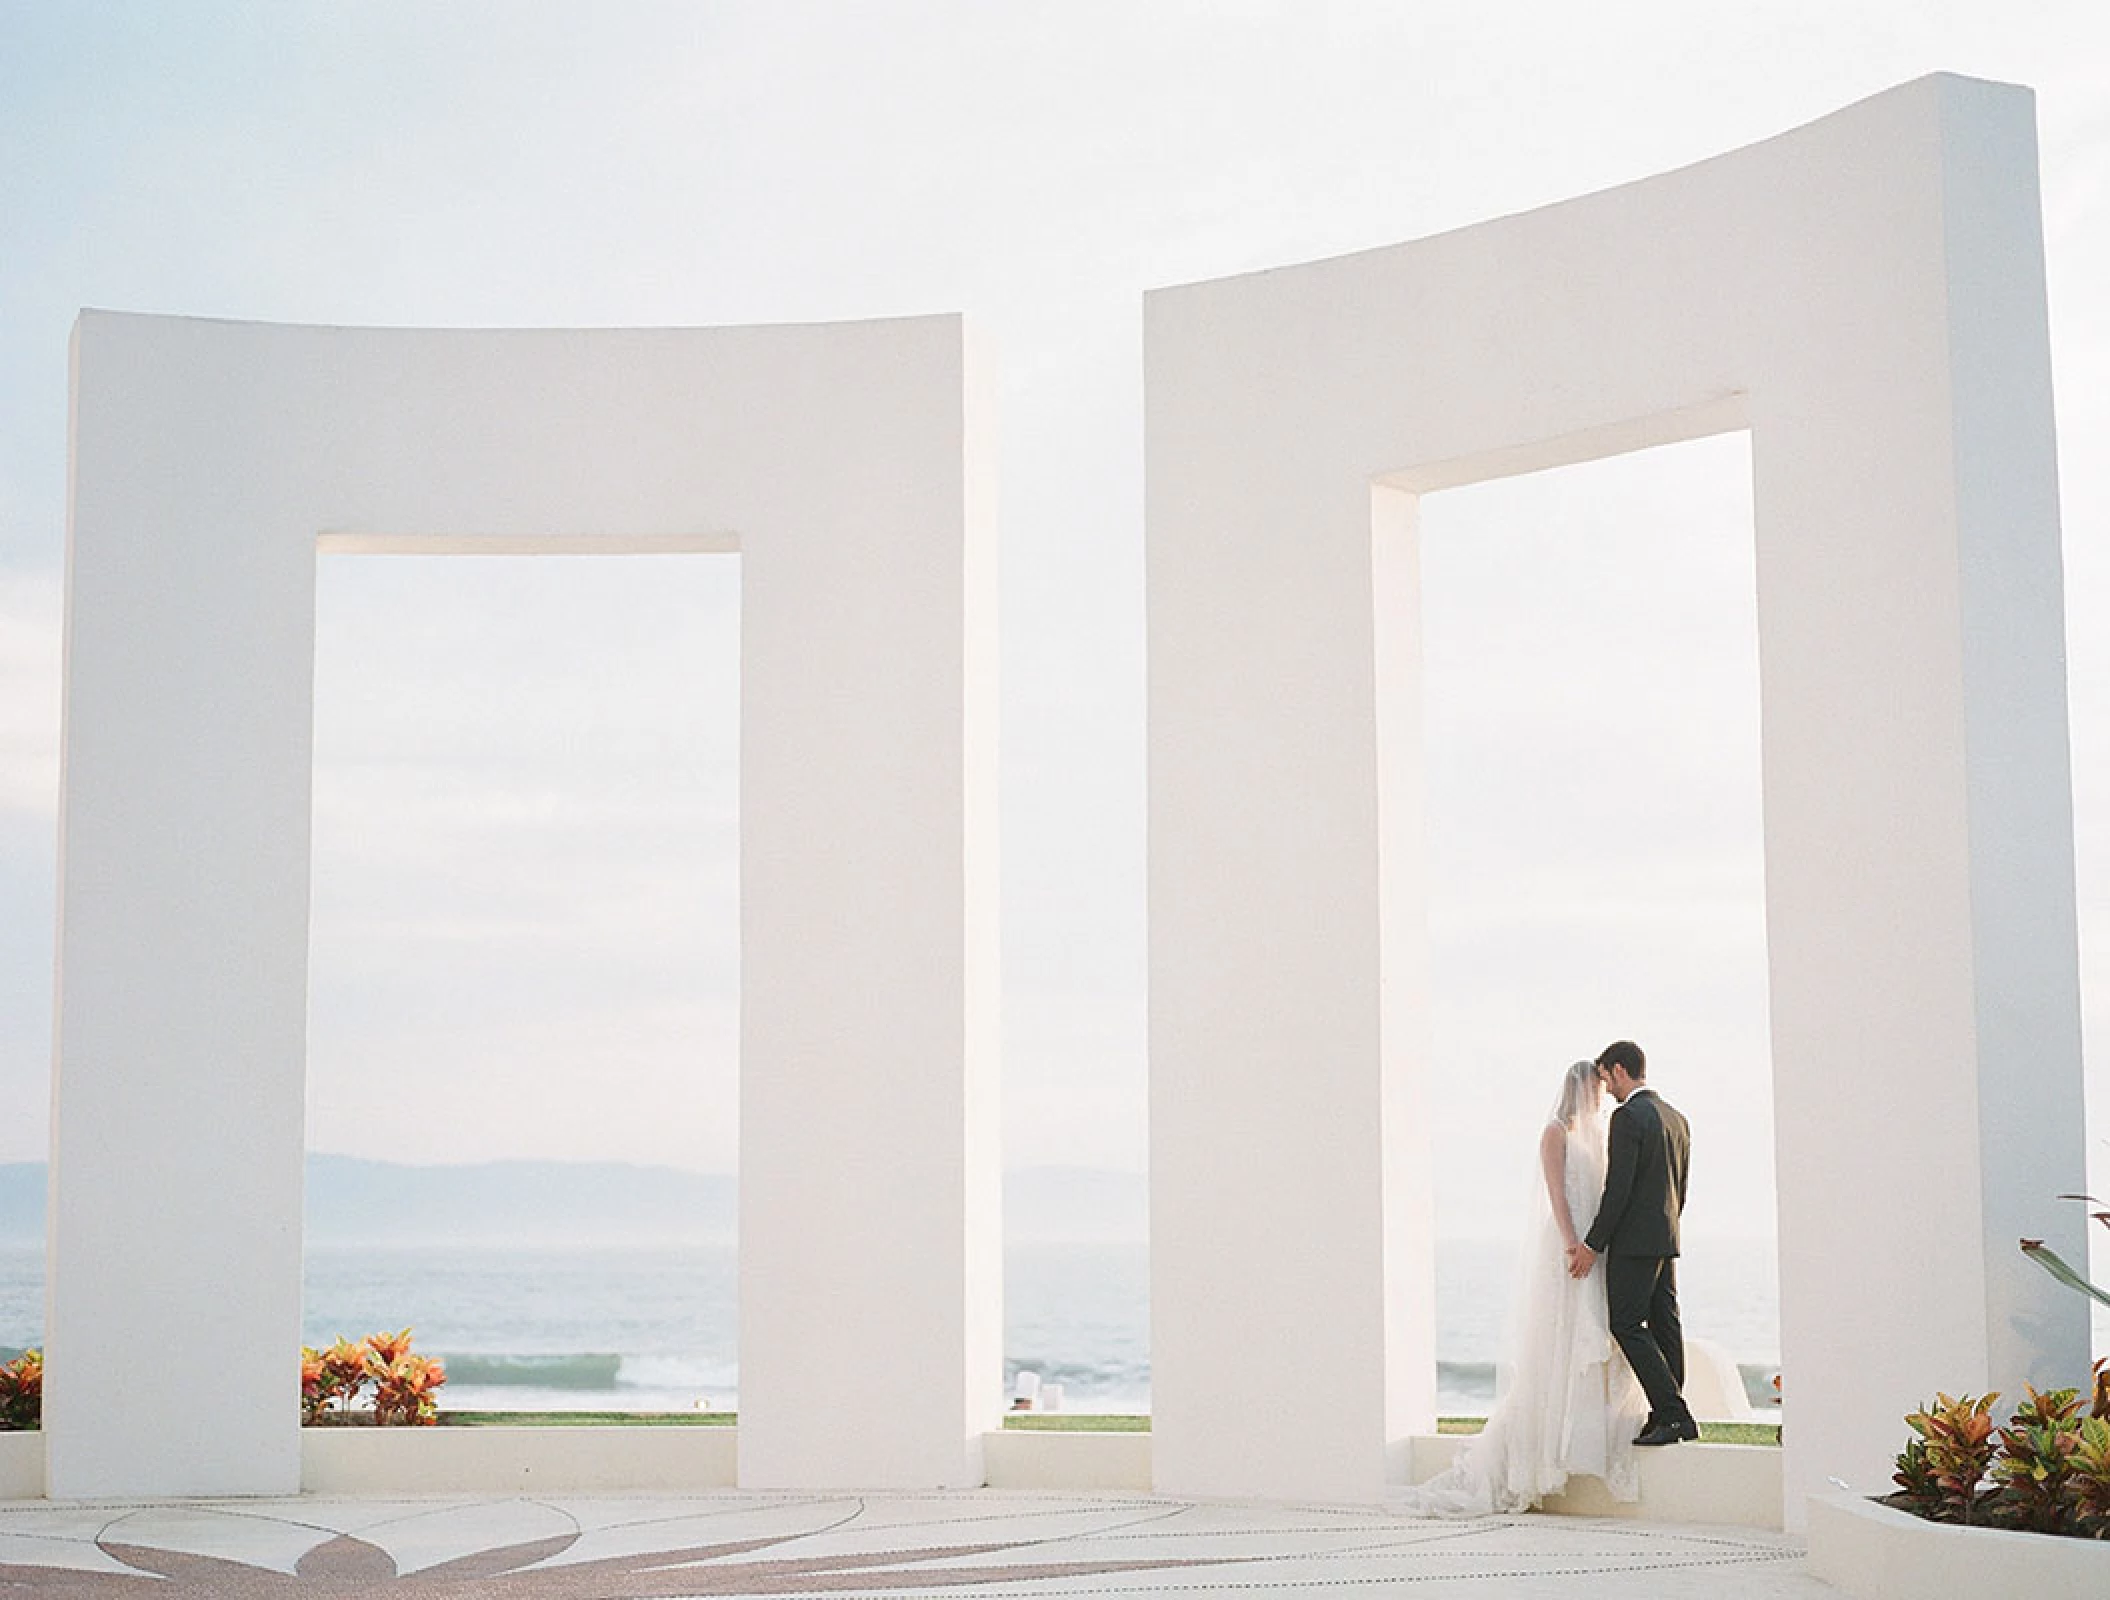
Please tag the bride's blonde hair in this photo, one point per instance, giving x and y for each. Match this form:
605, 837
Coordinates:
1581, 1093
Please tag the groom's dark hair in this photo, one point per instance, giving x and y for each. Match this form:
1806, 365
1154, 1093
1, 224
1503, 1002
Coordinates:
1625, 1053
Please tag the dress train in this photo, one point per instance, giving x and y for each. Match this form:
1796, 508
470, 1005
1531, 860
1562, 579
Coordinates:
1569, 1403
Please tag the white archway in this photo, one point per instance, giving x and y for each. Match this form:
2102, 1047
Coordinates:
211, 460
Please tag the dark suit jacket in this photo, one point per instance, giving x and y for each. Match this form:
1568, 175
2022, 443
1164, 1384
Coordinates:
1644, 1180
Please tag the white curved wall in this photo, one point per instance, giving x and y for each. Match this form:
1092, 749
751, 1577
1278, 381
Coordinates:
1866, 294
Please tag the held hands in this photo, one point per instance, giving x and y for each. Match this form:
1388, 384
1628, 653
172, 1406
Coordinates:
1581, 1258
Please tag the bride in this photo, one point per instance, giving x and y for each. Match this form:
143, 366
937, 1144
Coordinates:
1568, 1403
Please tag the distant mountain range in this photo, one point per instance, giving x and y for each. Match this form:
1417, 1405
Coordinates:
351, 1201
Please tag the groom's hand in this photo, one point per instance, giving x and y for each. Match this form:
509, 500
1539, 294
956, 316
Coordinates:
1581, 1258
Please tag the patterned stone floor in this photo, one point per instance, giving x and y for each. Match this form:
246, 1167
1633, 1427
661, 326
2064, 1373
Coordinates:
984, 1543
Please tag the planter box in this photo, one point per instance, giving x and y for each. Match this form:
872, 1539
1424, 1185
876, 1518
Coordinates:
22, 1465
1875, 1552
500, 1460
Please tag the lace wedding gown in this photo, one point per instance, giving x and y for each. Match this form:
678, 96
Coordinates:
1568, 1403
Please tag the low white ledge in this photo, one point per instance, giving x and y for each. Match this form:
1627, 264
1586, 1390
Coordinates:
1020, 1459
1874, 1552
501, 1459
1727, 1485
1731, 1485
22, 1465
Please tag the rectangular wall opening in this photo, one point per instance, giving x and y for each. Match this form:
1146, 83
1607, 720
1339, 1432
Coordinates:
524, 974
1596, 872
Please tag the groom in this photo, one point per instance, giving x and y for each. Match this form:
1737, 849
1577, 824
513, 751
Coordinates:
1637, 1231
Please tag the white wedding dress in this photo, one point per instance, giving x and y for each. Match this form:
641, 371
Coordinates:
1567, 1403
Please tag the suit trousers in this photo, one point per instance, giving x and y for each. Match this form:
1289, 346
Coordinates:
1641, 1299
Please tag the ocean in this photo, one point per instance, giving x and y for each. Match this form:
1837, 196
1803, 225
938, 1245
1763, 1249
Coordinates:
654, 1329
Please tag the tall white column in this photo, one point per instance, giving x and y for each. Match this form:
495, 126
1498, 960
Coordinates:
1267, 1099
1918, 801
173, 1327
870, 1203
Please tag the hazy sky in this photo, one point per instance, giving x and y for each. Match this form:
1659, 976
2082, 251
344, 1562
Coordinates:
525, 824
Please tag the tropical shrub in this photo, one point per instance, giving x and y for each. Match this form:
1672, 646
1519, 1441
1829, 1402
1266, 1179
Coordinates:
1918, 1490
2035, 1461
332, 1382
2088, 1479
2047, 1471
405, 1385
1957, 1443
331, 1379
22, 1391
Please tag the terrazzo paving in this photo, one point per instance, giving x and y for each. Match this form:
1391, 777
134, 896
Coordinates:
983, 1543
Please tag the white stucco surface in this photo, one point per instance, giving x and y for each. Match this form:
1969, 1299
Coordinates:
845, 464
1866, 295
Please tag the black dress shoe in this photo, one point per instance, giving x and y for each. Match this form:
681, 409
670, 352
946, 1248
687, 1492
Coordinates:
1668, 1433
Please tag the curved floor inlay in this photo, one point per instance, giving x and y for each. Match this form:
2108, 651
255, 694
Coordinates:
617, 1548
